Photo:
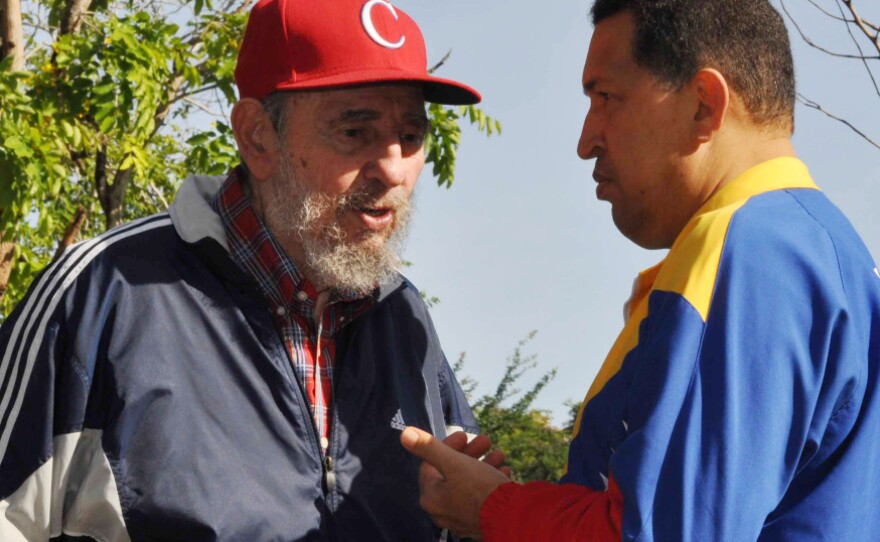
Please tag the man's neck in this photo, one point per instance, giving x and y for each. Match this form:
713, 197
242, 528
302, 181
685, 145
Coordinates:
741, 151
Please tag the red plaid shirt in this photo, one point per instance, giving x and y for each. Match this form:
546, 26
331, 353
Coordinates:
310, 336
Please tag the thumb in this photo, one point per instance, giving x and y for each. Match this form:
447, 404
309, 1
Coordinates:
429, 449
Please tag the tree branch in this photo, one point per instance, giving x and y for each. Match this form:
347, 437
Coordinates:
201, 106
841, 19
442, 62
100, 177
165, 108
848, 3
810, 103
159, 195
71, 232
813, 44
244, 6
864, 25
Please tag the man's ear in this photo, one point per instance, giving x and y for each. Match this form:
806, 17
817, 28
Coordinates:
713, 101
256, 138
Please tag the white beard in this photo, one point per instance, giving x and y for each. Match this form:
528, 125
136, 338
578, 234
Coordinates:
331, 259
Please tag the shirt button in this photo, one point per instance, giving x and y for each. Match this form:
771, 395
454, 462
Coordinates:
302, 296
324, 443
280, 311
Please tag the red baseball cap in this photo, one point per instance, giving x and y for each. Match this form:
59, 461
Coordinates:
312, 44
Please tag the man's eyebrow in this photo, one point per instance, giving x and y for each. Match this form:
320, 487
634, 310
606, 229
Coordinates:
358, 114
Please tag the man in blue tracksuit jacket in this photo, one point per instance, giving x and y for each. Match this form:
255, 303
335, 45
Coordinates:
741, 400
240, 367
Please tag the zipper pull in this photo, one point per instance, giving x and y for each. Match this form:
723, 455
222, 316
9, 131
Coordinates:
329, 475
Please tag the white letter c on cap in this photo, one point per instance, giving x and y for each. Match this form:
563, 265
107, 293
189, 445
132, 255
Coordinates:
367, 21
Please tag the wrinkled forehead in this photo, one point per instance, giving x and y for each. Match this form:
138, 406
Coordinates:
388, 97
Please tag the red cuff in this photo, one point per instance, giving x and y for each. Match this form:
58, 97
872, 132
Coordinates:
545, 512
495, 507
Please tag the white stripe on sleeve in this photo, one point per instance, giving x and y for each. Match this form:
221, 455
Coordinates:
74, 492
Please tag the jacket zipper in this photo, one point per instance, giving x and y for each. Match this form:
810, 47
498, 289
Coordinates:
329, 476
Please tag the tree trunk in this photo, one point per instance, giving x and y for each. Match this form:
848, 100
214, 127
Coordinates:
6, 263
11, 43
72, 18
114, 198
111, 196
11, 34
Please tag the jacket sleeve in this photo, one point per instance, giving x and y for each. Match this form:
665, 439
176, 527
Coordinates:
721, 413
456, 411
541, 511
54, 475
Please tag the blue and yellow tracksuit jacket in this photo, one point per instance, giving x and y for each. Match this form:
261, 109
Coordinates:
740, 402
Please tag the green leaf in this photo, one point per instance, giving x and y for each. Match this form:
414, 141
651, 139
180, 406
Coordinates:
18, 147
106, 123
77, 137
67, 129
54, 188
105, 89
127, 162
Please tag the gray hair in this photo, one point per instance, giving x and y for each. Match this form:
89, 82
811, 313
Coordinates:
277, 106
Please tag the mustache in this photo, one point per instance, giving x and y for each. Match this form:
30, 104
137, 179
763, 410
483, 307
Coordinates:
374, 198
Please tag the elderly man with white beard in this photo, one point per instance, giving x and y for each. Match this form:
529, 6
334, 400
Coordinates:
241, 366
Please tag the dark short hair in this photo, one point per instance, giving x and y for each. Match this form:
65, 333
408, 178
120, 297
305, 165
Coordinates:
745, 40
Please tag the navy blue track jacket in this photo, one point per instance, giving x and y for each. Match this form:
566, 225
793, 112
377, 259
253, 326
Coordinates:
145, 394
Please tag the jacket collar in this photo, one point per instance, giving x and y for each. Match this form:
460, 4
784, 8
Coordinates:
777, 174
197, 223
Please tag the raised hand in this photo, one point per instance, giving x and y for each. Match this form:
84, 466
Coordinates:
453, 482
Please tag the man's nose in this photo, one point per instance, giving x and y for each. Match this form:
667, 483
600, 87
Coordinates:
390, 167
590, 144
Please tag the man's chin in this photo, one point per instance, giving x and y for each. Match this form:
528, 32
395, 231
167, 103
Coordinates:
368, 239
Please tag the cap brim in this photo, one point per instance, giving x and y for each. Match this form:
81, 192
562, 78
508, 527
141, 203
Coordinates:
437, 90
444, 91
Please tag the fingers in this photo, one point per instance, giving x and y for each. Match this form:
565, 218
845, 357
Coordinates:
457, 441
438, 456
496, 459
424, 446
478, 446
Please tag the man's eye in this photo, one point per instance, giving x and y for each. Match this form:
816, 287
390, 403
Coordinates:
599, 97
413, 137
352, 133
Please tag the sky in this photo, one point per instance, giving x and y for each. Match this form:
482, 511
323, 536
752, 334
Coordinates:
520, 243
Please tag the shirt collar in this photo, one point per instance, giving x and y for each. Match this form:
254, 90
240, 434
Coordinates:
256, 251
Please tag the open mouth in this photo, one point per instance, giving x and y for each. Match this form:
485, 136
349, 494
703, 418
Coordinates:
376, 218
374, 212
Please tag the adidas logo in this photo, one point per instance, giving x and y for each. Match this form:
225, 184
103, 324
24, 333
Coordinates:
397, 421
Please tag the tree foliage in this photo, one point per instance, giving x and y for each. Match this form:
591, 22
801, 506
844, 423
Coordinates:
113, 104
535, 448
